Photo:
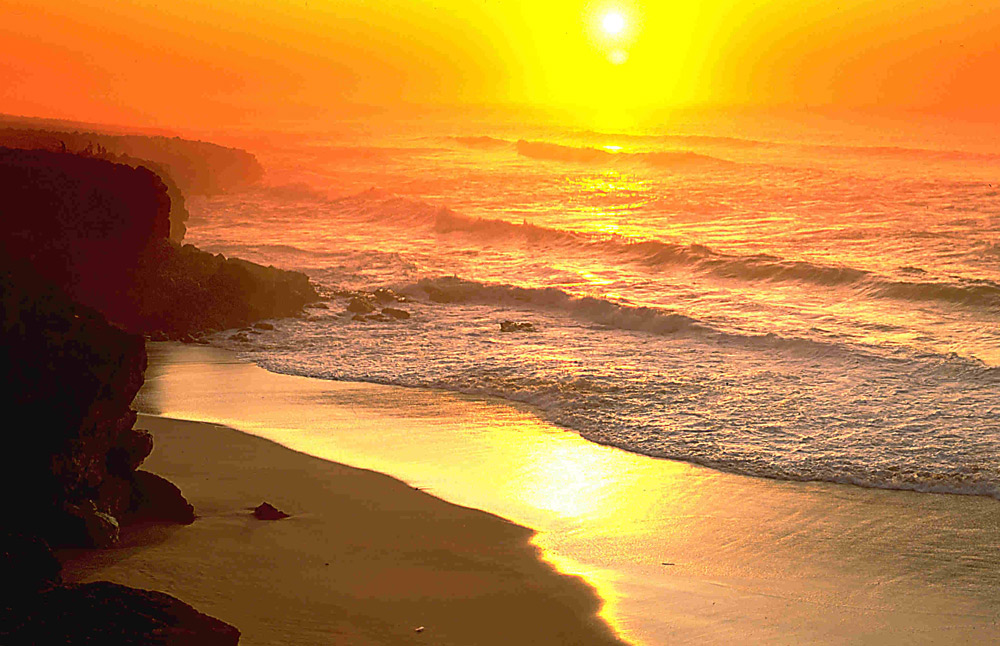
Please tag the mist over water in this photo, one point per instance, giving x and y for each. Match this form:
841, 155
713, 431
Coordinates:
821, 304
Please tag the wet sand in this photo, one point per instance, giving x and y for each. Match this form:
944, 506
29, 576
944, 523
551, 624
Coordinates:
680, 554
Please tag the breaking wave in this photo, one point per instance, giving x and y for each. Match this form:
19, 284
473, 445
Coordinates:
677, 159
390, 209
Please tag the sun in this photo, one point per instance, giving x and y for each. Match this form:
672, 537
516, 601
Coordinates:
613, 23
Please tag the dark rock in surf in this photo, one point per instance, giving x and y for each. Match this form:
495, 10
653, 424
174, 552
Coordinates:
395, 313
360, 306
383, 295
267, 511
263, 326
516, 326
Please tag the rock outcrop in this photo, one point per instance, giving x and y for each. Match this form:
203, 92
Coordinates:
182, 290
82, 239
72, 377
100, 231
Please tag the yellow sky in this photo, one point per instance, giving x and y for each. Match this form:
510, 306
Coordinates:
234, 61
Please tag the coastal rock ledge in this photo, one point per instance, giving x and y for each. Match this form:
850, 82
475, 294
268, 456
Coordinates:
108, 613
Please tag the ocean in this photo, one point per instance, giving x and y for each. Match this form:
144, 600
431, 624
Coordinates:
790, 297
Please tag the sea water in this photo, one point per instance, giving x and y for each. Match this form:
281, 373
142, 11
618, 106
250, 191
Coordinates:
788, 297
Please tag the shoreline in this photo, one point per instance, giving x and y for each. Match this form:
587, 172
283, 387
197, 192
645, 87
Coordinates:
363, 557
679, 553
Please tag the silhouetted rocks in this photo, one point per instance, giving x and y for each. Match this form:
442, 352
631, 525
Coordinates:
267, 511
99, 231
82, 224
157, 499
82, 239
183, 290
131, 449
108, 613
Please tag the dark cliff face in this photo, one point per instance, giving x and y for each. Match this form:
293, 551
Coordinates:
86, 266
80, 223
100, 232
70, 377
81, 238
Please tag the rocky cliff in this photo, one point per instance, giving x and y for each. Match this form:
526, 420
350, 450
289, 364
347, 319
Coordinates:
86, 267
70, 377
100, 232
198, 167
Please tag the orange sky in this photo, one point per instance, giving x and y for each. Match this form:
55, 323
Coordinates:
184, 63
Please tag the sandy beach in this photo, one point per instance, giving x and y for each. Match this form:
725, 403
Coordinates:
676, 553
364, 558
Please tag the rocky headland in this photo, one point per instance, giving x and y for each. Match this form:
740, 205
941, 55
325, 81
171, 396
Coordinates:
87, 267
100, 232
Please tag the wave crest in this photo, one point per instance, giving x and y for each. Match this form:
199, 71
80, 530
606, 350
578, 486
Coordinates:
677, 159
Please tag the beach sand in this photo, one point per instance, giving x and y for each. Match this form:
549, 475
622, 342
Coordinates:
679, 554
363, 559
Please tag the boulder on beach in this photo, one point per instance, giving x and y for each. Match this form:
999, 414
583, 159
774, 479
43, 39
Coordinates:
267, 511
157, 499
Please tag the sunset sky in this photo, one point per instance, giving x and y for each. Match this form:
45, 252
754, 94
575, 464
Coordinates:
254, 63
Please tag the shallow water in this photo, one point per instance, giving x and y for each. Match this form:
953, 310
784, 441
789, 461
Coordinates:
681, 554
817, 302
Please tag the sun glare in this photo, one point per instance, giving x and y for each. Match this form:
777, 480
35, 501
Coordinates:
613, 23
